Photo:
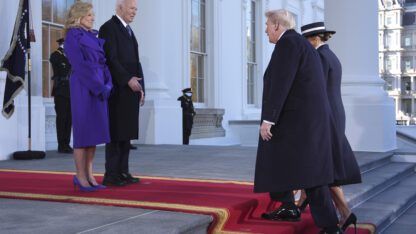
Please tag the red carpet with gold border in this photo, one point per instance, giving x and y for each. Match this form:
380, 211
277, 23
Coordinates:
234, 206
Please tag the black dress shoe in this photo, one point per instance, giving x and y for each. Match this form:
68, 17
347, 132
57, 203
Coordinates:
335, 231
128, 178
113, 181
65, 150
69, 149
283, 214
133, 147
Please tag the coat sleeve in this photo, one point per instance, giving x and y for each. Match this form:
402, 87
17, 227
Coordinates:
120, 76
325, 66
141, 75
284, 64
81, 67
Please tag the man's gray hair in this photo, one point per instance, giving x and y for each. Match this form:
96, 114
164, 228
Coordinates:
282, 17
120, 3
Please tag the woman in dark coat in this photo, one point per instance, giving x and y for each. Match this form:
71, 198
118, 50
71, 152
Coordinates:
345, 164
90, 86
295, 145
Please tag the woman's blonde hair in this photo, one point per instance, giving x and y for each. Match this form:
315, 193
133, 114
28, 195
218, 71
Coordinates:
282, 17
75, 13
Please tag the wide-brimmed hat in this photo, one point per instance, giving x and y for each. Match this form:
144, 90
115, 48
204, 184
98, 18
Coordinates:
314, 29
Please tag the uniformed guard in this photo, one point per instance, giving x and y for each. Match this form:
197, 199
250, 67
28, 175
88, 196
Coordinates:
188, 113
60, 92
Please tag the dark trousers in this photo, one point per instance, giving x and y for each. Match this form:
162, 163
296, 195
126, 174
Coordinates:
117, 158
320, 202
185, 136
63, 120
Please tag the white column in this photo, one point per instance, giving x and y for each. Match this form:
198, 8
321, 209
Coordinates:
412, 79
369, 110
397, 100
158, 27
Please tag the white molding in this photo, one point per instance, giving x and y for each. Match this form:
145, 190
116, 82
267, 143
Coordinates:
186, 31
406, 158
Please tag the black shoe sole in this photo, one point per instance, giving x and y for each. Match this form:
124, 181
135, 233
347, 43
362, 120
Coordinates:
114, 184
282, 220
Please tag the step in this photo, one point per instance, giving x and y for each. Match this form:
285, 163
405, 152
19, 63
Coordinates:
29, 216
404, 224
376, 180
368, 161
382, 209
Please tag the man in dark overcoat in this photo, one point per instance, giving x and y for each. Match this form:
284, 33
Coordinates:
188, 113
60, 93
294, 150
122, 56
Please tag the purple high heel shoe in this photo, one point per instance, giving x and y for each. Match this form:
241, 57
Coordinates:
82, 188
98, 186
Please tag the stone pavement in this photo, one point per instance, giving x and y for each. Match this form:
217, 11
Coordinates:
202, 162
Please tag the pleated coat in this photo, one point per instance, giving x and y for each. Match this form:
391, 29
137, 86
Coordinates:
122, 53
299, 155
346, 169
90, 87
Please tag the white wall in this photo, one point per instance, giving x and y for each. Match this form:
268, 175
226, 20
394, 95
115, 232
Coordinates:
162, 30
14, 131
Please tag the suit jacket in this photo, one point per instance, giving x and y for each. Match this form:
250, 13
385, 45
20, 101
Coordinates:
346, 168
299, 155
122, 55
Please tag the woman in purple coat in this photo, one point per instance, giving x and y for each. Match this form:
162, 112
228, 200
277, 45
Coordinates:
90, 85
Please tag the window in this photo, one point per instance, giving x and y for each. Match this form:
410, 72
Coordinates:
198, 50
388, 65
407, 41
388, 41
406, 106
389, 84
251, 51
407, 65
388, 20
53, 20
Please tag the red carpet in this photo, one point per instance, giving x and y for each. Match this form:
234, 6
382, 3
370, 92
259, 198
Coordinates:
233, 204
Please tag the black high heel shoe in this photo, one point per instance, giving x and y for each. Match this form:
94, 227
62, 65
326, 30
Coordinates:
352, 219
304, 204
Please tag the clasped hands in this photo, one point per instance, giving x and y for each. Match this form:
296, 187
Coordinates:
136, 87
265, 131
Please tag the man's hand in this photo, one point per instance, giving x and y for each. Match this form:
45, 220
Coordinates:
141, 98
265, 132
134, 84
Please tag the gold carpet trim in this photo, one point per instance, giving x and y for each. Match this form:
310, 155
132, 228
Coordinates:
371, 228
222, 214
141, 176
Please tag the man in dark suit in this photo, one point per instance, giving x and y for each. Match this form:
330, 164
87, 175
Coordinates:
128, 93
60, 93
294, 150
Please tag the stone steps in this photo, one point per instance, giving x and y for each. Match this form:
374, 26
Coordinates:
404, 224
384, 208
387, 191
376, 181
